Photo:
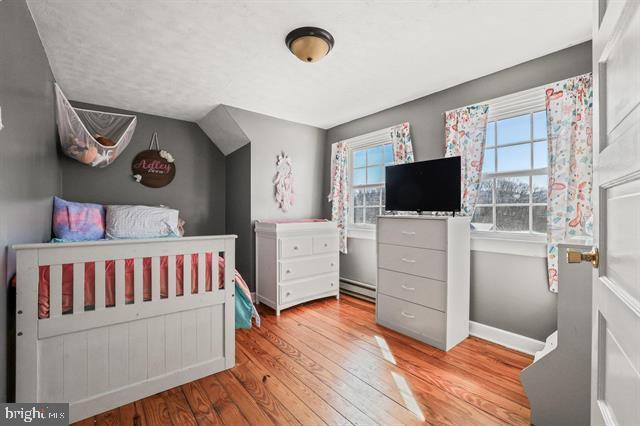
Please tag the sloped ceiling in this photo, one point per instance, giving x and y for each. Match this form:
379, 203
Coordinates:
181, 59
223, 130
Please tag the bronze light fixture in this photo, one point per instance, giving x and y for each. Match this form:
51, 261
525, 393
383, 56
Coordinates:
309, 44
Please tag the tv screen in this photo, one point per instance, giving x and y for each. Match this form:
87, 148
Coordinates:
424, 186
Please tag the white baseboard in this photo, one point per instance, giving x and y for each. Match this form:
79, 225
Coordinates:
505, 338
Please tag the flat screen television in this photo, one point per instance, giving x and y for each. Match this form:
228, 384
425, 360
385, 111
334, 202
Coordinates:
424, 186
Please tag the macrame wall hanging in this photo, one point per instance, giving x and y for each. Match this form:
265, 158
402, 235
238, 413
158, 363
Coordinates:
154, 168
283, 183
94, 138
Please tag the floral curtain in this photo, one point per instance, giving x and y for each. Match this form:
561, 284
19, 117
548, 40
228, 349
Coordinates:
569, 130
464, 133
339, 193
402, 146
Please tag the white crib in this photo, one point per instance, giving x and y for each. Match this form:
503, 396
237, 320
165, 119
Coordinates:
104, 358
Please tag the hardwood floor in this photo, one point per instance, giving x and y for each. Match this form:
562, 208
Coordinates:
328, 362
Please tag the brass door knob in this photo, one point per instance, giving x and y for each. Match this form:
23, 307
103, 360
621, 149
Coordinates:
575, 256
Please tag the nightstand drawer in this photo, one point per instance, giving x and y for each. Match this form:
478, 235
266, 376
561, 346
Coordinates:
425, 233
403, 315
308, 288
416, 261
423, 291
301, 268
295, 246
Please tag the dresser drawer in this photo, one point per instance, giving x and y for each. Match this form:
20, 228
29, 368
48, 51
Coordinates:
300, 268
423, 291
425, 233
325, 244
416, 261
308, 288
407, 316
295, 246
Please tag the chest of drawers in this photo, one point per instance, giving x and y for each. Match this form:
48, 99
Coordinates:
423, 277
296, 263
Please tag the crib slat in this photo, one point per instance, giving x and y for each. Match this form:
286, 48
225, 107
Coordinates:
155, 278
171, 277
215, 279
55, 291
137, 280
99, 285
78, 287
186, 276
202, 273
120, 282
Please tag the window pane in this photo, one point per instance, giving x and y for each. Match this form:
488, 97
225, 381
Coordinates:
540, 154
373, 196
539, 219
374, 155
358, 215
360, 158
516, 157
359, 176
383, 201
489, 164
540, 125
491, 134
512, 218
371, 213
516, 129
539, 189
482, 219
485, 193
512, 190
388, 154
358, 197
375, 174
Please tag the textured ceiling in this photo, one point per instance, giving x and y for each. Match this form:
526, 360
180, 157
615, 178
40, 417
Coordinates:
181, 58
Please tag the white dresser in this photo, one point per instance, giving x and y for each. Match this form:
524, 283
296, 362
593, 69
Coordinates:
423, 277
296, 262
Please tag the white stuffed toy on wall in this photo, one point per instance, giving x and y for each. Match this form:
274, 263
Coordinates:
283, 183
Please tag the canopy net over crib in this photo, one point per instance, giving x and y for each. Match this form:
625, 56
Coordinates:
94, 138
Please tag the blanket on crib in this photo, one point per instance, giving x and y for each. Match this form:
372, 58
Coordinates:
245, 310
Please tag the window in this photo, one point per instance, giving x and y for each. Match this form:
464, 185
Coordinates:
513, 188
367, 181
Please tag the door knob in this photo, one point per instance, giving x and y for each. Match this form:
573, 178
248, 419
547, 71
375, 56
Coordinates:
575, 256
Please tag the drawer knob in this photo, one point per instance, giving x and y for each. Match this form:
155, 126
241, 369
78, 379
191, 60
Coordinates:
408, 233
331, 284
332, 264
326, 245
288, 293
406, 315
288, 271
404, 286
404, 259
295, 247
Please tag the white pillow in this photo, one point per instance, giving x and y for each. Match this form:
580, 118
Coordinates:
141, 222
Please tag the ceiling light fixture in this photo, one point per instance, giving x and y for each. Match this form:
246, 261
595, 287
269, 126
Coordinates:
309, 44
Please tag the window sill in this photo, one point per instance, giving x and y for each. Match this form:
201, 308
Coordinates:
362, 232
508, 243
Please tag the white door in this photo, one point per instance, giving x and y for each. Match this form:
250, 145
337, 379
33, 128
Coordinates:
615, 377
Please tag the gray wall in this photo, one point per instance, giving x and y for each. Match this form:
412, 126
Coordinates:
305, 145
29, 170
198, 189
238, 209
508, 292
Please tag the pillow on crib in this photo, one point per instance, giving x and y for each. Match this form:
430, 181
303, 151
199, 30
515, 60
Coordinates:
77, 221
141, 222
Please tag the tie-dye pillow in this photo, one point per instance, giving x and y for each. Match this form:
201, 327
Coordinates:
78, 221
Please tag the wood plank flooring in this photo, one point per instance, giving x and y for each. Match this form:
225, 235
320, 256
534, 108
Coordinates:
327, 362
